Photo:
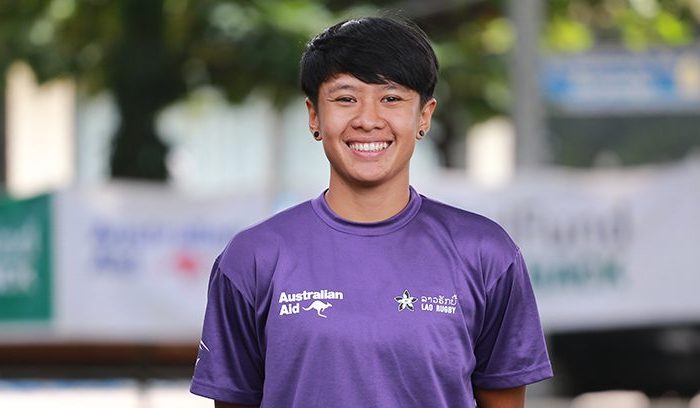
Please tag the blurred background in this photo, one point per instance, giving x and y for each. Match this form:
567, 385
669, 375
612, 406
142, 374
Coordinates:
136, 137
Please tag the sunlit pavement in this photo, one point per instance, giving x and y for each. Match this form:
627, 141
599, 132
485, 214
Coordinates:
175, 394
105, 394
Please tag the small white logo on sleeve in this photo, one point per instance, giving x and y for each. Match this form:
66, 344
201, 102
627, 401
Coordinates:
202, 346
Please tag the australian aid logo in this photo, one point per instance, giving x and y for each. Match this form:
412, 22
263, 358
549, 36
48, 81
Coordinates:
308, 301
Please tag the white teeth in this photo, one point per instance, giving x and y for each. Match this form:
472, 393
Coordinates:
369, 147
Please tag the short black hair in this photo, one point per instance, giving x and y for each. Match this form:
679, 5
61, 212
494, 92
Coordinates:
375, 50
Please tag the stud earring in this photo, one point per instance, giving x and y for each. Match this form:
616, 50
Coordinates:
421, 133
317, 135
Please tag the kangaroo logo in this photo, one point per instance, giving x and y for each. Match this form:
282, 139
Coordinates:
319, 306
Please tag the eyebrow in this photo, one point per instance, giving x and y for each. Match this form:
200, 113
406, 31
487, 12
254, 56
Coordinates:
348, 87
341, 87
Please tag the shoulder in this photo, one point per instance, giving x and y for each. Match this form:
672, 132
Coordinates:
265, 237
480, 241
280, 223
466, 225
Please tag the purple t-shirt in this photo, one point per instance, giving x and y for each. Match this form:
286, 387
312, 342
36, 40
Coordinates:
307, 309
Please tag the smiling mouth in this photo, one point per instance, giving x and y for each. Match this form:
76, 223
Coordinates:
369, 147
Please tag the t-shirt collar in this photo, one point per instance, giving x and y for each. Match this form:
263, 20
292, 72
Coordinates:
386, 226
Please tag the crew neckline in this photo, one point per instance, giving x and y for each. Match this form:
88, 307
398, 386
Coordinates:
389, 225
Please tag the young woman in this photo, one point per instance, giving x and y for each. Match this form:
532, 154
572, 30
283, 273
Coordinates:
370, 295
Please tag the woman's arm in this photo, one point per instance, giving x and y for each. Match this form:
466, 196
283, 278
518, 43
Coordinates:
503, 398
219, 404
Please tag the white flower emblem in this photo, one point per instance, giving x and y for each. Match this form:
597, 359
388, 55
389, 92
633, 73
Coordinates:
405, 301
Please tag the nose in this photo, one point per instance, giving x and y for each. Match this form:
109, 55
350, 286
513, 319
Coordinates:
368, 117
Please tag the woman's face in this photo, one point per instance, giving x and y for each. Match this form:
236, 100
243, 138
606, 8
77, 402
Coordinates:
369, 131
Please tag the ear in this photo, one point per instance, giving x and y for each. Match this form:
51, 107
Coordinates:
426, 114
313, 115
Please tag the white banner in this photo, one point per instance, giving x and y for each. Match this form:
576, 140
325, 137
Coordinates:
604, 248
133, 261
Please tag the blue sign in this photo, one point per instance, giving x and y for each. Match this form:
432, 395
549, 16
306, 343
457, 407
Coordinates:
619, 81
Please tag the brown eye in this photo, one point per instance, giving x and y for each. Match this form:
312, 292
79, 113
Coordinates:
392, 98
345, 99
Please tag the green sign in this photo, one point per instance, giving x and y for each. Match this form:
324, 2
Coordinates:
25, 259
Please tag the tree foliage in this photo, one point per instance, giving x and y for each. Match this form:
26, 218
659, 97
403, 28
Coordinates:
638, 24
149, 53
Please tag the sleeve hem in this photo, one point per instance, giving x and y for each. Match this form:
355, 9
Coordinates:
225, 395
513, 379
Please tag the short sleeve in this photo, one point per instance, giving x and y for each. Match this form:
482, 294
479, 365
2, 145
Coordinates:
229, 365
510, 350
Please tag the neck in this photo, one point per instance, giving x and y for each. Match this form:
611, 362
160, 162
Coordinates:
367, 203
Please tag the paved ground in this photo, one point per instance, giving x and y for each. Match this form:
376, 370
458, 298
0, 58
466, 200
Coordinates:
174, 394
544, 402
